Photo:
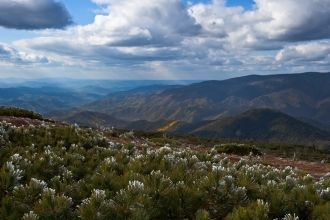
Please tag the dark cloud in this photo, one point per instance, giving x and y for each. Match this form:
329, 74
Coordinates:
33, 14
106, 54
317, 31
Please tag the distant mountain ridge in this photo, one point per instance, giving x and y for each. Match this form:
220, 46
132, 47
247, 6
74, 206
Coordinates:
50, 96
43, 99
291, 108
300, 95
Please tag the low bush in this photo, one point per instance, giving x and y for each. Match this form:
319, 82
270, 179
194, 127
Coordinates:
66, 172
21, 113
238, 149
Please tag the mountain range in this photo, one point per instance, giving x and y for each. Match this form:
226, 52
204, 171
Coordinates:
51, 96
254, 125
291, 108
257, 124
304, 95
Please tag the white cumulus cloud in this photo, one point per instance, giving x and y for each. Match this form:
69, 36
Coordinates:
192, 38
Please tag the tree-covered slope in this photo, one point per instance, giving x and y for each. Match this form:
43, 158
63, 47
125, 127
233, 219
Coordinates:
19, 113
300, 95
257, 124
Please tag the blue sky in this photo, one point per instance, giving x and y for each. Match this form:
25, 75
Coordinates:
162, 39
82, 11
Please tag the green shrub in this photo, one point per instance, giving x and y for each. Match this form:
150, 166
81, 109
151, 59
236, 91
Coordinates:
321, 212
66, 172
238, 149
52, 206
202, 214
255, 211
21, 113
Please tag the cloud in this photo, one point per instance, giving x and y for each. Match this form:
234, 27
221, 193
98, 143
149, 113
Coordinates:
293, 20
5, 52
146, 35
267, 25
141, 22
316, 51
133, 30
10, 54
33, 14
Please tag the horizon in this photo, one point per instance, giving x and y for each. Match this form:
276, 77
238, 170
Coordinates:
162, 40
58, 78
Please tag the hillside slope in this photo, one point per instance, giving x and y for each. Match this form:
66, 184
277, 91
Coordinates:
101, 120
300, 95
259, 124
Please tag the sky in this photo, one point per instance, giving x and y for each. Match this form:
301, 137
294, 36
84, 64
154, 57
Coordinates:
162, 39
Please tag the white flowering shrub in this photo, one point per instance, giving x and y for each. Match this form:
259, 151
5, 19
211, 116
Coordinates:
258, 210
54, 206
290, 217
97, 206
67, 172
4, 127
30, 216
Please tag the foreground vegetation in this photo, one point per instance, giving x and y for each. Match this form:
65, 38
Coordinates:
17, 112
302, 152
65, 172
